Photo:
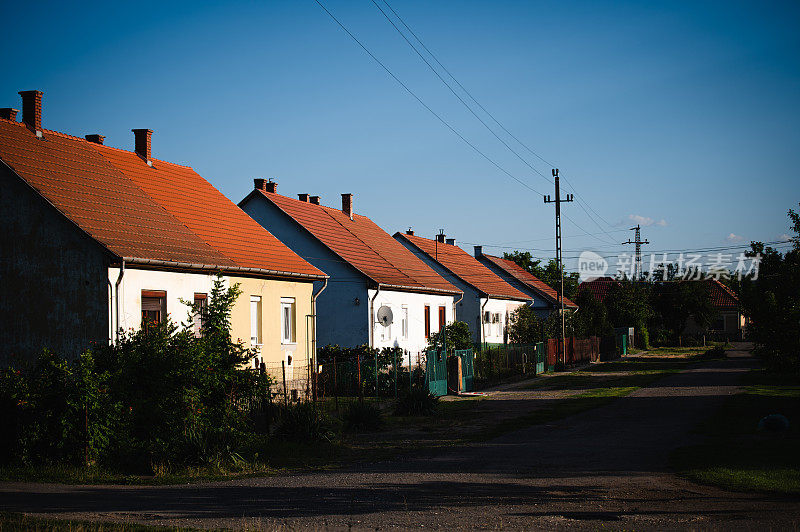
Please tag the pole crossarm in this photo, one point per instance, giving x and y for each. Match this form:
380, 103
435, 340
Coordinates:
558, 201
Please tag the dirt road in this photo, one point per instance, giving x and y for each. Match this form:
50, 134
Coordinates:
604, 468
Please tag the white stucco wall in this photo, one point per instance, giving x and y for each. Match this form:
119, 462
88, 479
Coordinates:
392, 336
493, 333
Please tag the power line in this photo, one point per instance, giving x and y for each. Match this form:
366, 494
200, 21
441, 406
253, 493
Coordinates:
434, 113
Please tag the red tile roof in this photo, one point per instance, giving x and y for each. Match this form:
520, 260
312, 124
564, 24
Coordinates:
722, 297
466, 267
599, 288
364, 245
164, 213
524, 276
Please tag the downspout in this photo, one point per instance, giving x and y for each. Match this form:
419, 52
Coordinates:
314, 333
110, 310
116, 297
482, 324
372, 317
455, 303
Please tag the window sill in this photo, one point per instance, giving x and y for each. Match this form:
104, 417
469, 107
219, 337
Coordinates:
289, 343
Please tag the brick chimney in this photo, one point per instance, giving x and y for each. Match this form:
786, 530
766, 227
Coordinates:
440, 238
96, 138
314, 200
451, 241
143, 143
478, 251
8, 113
347, 205
265, 186
32, 110
410, 232
303, 197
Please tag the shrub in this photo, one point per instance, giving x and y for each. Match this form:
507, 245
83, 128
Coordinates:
363, 417
715, 352
418, 402
303, 423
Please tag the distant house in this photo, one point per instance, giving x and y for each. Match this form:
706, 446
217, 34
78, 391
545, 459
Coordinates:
372, 275
488, 299
598, 288
97, 239
729, 320
544, 297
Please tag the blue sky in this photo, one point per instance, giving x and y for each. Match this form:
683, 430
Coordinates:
683, 115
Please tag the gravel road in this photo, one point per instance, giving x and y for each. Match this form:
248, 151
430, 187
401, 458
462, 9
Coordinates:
602, 469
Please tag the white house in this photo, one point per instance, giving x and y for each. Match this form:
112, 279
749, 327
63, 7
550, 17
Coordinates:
488, 300
97, 239
371, 274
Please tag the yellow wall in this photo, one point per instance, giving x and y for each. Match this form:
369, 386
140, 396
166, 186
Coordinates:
271, 292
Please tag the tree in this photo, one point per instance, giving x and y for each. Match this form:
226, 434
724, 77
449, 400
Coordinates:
591, 319
772, 302
524, 326
549, 274
677, 302
628, 304
457, 335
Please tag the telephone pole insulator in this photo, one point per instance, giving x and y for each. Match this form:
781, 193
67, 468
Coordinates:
637, 265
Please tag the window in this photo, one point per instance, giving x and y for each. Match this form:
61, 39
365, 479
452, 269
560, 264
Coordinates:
255, 321
154, 306
404, 321
442, 318
200, 309
427, 321
287, 320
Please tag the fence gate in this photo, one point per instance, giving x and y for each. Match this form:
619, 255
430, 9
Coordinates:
540, 354
436, 372
467, 357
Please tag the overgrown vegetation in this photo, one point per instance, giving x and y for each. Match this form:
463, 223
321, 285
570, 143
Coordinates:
417, 402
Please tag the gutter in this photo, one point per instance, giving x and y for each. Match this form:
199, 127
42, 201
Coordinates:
226, 269
482, 323
455, 303
314, 334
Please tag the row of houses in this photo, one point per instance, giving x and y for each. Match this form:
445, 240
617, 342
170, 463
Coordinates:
99, 240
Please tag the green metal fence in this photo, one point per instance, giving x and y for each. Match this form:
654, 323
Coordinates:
467, 357
436, 372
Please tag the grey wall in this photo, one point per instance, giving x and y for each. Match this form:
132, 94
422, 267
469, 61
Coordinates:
53, 278
339, 320
468, 310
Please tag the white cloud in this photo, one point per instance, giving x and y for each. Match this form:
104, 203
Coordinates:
785, 238
733, 238
644, 221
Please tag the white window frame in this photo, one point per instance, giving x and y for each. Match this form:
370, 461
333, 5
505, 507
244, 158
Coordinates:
256, 337
288, 326
404, 321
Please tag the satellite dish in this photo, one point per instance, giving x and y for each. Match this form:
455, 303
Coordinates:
385, 316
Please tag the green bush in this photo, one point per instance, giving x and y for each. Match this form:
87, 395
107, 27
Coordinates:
418, 402
361, 416
304, 422
158, 396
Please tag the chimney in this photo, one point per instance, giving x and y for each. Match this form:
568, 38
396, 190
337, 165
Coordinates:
142, 143
8, 113
451, 241
440, 237
265, 186
410, 232
32, 110
303, 197
314, 200
478, 251
96, 138
347, 205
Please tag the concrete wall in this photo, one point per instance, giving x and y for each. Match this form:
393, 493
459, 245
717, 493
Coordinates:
183, 286
53, 289
343, 308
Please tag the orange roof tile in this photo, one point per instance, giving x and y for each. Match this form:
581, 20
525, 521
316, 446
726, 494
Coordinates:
465, 266
599, 287
524, 276
364, 245
165, 213
722, 297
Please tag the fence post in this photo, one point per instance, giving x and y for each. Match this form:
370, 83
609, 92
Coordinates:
410, 380
395, 373
376, 374
335, 385
360, 390
283, 371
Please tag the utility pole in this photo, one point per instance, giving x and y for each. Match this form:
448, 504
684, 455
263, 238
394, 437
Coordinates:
637, 265
558, 201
